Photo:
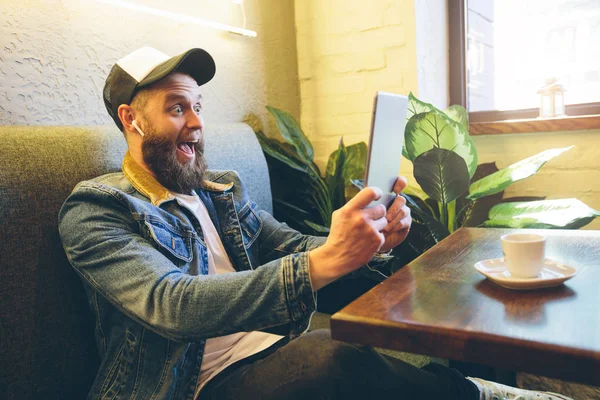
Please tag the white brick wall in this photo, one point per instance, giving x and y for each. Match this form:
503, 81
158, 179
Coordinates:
347, 50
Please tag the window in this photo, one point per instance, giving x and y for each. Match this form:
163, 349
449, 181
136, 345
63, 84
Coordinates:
503, 51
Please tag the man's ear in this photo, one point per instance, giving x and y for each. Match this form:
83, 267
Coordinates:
126, 115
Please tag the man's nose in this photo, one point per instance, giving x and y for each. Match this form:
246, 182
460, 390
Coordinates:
195, 121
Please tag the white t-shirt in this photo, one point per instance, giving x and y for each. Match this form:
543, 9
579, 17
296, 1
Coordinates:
222, 351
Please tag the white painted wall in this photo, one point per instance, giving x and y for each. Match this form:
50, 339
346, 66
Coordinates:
55, 55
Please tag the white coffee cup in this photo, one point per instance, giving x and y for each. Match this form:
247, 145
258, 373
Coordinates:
523, 253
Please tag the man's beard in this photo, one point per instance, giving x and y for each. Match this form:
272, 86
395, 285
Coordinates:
160, 154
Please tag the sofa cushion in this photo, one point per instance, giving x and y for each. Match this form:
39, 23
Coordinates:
235, 146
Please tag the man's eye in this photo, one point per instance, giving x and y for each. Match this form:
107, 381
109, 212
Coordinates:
177, 109
198, 109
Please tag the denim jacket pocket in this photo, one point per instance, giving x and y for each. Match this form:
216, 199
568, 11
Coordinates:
117, 374
250, 223
172, 239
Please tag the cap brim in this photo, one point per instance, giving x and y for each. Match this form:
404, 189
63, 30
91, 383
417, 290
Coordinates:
195, 62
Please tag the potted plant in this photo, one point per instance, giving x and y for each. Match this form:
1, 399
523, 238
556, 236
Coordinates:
454, 191
303, 196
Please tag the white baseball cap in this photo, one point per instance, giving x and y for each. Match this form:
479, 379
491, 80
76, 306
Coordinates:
146, 66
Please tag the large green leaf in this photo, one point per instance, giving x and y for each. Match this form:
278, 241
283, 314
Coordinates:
415, 191
437, 230
355, 162
456, 139
275, 149
291, 209
458, 114
475, 212
292, 134
442, 174
500, 180
353, 167
416, 106
561, 214
334, 176
303, 190
320, 230
307, 175
425, 131
294, 216
289, 152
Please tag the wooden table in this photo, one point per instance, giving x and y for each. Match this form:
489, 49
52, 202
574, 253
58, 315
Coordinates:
439, 305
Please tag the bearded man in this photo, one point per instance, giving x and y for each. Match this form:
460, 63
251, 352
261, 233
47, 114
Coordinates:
197, 293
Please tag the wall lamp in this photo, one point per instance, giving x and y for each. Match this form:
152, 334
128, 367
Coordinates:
184, 18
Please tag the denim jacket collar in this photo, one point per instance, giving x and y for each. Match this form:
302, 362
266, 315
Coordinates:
151, 188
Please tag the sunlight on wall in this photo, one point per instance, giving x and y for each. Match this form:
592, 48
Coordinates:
348, 50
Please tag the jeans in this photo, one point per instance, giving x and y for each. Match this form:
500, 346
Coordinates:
314, 366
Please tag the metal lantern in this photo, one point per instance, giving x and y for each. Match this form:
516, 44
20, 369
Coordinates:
552, 99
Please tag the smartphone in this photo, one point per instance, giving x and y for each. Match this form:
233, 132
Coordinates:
385, 144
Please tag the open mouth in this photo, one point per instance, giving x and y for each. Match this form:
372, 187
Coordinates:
189, 148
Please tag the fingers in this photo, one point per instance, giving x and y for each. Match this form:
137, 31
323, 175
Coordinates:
383, 220
364, 198
379, 224
400, 184
378, 215
400, 220
398, 210
355, 234
381, 240
395, 208
397, 205
376, 212
369, 194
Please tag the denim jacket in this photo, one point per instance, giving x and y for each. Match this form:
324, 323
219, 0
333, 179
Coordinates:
144, 263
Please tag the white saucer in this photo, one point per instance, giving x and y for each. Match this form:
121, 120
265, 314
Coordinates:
553, 274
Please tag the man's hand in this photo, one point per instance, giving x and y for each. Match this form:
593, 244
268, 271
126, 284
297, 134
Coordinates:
354, 238
357, 233
398, 217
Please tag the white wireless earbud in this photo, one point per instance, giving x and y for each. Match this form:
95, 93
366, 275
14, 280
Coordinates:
135, 125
